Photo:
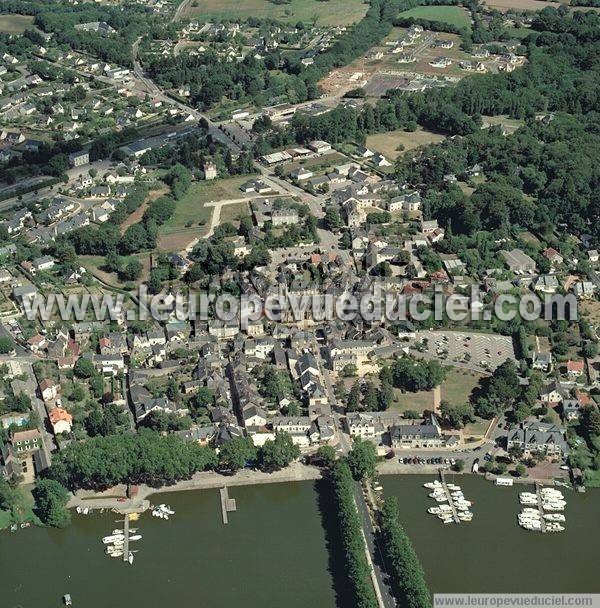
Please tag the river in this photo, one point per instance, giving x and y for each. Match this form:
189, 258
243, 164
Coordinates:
273, 552
492, 553
280, 549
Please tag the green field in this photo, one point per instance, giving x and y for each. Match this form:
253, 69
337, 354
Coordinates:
449, 14
15, 24
330, 13
191, 218
388, 143
458, 385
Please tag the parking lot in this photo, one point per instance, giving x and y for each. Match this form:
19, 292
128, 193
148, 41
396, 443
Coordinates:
479, 352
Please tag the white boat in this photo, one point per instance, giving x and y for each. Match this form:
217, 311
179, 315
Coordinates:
130, 557
135, 537
465, 516
453, 487
117, 554
554, 527
166, 509
553, 507
112, 538
434, 510
432, 484
118, 532
554, 517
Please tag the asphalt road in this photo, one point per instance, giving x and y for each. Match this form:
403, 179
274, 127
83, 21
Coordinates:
373, 547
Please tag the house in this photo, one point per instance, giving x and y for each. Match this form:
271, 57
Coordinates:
301, 174
380, 161
575, 368
78, 159
26, 441
49, 389
584, 290
429, 226
43, 263
571, 409
542, 360
546, 283
539, 437
37, 343
210, 171
60, 420
418, 434
593, 256
551, 393
319, 146
518, 261
553, 256
254, 416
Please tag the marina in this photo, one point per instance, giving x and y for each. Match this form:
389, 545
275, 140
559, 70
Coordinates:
280, 533
453, 507
458, 559
543, 518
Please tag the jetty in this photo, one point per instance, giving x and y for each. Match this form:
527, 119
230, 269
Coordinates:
538, 492
449, 497
228, 505
126, 539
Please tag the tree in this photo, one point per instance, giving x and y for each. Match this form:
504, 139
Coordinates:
326, 454
6, 345
350, 370
520, 471
276, 454
459, 465
234, 454
50, 503
405, 569
84, 368
132, 270
353, 402
333, 220
362, 459
591, 420
456, 415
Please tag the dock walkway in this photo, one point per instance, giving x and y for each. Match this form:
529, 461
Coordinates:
538, 492
126, 540
449, 497
228, 505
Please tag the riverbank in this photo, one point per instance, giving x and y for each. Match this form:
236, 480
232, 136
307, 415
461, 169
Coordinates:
116, 497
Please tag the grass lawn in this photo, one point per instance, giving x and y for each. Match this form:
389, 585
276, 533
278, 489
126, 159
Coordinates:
418, 402
191, 218
459, 385
233, 213
331, 13
386, 143
5, 519
15, 24
449, 14
510, 125
94, 263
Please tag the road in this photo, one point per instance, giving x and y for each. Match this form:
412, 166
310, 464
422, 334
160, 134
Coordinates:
384, 592
180, 9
